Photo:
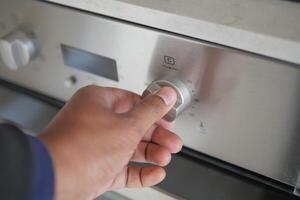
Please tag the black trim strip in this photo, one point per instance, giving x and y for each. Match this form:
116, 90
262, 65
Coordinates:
236, 170
51, 101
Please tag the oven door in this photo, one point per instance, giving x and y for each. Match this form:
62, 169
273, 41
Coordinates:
190, 175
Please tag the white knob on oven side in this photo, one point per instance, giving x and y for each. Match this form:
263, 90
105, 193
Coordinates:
17, 49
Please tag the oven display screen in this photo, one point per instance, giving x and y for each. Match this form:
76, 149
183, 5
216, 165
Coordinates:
90, 62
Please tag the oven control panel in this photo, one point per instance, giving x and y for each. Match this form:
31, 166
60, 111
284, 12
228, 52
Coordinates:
234, 106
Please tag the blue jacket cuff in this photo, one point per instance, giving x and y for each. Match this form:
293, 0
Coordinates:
42, 172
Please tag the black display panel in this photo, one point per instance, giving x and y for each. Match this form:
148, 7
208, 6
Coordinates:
90, 62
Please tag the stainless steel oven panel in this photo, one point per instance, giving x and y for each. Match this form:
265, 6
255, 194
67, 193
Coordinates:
246, 110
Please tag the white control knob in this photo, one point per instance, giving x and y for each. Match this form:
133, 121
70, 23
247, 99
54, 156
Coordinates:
17, 49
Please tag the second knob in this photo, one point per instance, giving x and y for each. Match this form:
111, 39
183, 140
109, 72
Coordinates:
17, 49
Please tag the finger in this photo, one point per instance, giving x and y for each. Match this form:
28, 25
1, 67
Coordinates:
121, 101
152, 108
161, 123
168, 139
136, 177
147, 152
163, 137
149, 133
166, 124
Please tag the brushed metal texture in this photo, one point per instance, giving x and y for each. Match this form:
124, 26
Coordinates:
245, 110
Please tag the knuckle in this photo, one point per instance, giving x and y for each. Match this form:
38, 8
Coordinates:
88, 90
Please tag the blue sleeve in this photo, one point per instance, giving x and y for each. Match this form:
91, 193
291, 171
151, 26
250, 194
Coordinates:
42, 172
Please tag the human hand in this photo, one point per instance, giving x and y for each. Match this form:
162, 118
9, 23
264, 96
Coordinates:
99, 131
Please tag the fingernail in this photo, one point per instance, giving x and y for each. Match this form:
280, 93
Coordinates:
168, 95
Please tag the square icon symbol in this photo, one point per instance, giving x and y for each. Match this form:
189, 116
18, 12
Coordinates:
169, 60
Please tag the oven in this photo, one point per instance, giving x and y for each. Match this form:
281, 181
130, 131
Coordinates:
238, 113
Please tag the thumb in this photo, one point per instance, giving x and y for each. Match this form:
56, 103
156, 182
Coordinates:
152, 108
